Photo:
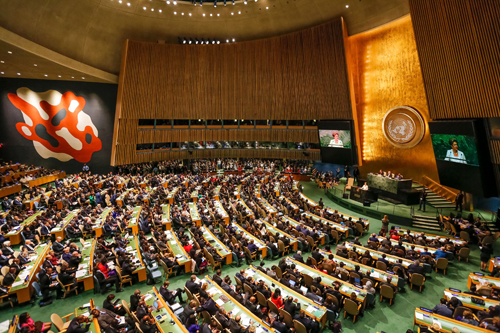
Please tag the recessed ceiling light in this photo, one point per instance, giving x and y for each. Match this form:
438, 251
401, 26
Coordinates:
175, 2
119, 1
152, 9
203, 14
159, 10
168, 2
72, 77
346, 6
144, 8
239, 12
9, 52
128, 4
35, 65
18, 73
45, 75
182, 13
83, 78
210, 14
234, 40
175, 13
218, 14
2, 73
3, 62
267, 7
59, 76
227, 40
190, 14
232, 13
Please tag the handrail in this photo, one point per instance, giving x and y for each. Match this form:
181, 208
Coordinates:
448, 193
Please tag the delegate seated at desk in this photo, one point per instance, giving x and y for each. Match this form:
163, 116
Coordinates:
365, 187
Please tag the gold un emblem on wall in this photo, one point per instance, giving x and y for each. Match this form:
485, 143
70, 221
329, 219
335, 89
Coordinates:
403, 127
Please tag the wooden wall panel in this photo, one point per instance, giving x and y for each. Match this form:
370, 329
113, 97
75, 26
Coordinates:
458, 42
159, 136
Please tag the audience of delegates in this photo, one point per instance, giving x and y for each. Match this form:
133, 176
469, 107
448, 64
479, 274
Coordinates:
245, 198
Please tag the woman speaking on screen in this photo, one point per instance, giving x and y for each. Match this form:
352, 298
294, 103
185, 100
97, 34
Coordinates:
335, 142
455, 155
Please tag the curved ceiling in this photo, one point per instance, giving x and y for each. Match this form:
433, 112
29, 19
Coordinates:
94, 31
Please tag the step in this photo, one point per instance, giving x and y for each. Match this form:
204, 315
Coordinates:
430, 223
444, 206
424, 217
437, 228
427, 220
437, 199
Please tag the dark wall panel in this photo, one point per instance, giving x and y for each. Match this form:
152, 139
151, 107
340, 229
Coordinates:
74, 140
458, 43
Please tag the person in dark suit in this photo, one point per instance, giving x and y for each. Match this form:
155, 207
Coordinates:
423, 198
147, 325
416, 268
443, 310
382, 259
301, 317
170, 296
189, 309
298, 257
135, 298
234, 325
217, 277
192, 286
10, 277
459, 200
290, 306
108, 304
251, 305
278, 324
79, 324
45, 285
57, 246
208, 305
317, 256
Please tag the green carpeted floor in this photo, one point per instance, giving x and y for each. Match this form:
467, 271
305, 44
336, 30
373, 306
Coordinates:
395, 318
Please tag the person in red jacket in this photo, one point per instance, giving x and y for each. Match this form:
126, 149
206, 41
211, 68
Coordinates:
276, 298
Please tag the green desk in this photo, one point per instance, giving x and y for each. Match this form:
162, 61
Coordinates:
277, 189
315, 311
22, 286
257, 191
237, 191
230, 305
375, 254
168, 322
217, 192
455, 240
171, 195
59, 230
133, 250
327, 280
85, 269
195, 216
407, 246
269, 209
310, 202
339, 227
119, 200
97, 227
476, 278
220, 209
377, 274
183, 259
262, 246
15, 234
425, 318
271, 229
86, 310
221, 249
295, 224
134, 223
388, 184
165, 216
466, 300
294, 206
248, 210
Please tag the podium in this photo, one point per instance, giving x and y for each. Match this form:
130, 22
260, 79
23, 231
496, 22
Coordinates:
359, 195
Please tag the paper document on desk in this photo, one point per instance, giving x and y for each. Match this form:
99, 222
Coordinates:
148, 296
310, 309
4, 326
86, 305
81, 273
245, 322
129, 248
235, 311
219, 302
82, 266
18, 283
375, 275
175, 306
212, 291
419, 316
121, 321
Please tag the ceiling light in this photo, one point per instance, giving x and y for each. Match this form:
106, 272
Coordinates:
346, 6
227, 40
168, 2
119, 1
234, 40
18, 73
182, 13
72, 77
9, 52
245, 2
267, 7
232, 13
175, 2
33, 65
218, 14
210, 14
203, 14
159, 10
239, 12
128, 4
144, 8
83, 78
2, 73
152, 9
190, 14
45, 75
59, 76
218, 42
3, 62
175, 13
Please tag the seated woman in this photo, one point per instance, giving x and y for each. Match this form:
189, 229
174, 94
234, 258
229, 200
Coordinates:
468, 318
34, 327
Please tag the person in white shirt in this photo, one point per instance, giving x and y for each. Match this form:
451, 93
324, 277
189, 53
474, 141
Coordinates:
455, 155
365, 187
336, 142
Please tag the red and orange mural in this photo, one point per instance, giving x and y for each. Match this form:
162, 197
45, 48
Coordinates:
57, 124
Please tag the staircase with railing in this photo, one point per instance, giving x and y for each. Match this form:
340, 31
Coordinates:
438, 196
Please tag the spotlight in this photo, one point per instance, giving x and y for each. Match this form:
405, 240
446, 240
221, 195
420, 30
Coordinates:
184, 41
245, 2
234, 40
190, 41
213, 41
218, 42
227, 40
175, 2
196, 41
233, 2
